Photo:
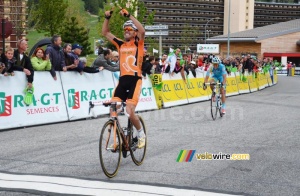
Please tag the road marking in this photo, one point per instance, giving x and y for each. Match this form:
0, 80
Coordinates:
67, 185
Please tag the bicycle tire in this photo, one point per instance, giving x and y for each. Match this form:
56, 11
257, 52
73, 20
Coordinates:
106, 154
213, 108
220, 108
137, 155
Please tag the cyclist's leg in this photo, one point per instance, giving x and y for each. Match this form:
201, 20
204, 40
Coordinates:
223, 91
130, 109
132, 101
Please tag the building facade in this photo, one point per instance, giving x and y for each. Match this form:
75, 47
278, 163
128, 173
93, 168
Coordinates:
191, 22
15, 12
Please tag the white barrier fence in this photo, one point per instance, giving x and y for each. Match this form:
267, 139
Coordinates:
48, 102
68, 97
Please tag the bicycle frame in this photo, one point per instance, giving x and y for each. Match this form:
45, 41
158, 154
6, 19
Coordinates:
114, 117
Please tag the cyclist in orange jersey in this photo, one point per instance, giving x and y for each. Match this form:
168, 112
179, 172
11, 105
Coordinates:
131, 52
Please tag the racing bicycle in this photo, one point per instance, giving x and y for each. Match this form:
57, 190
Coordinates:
216, 104
116, 141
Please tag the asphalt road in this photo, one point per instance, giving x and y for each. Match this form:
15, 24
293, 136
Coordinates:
264, 124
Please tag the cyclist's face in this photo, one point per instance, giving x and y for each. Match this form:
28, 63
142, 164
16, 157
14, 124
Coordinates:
215, 65
129, 33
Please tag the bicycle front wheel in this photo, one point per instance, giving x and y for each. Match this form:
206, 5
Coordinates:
110, 149
220, 108
213, 107
137, 154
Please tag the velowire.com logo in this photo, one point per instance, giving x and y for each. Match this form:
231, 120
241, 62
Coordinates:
188, 155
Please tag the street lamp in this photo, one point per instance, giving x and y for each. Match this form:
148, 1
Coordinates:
228, 35
207, 24
208, 31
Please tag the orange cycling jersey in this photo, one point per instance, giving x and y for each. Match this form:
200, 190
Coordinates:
131, 56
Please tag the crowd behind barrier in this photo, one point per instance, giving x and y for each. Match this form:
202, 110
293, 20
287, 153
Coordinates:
68, 97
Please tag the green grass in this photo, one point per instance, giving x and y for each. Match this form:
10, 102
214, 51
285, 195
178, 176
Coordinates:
92, 23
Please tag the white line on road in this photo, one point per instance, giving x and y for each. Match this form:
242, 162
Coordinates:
67, 185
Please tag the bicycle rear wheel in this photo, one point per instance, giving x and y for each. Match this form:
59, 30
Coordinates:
137, 155
110, 156
213, 107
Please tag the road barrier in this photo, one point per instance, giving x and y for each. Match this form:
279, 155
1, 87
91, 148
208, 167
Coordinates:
68, 97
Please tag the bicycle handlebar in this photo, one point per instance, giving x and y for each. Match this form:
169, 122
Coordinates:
213, 83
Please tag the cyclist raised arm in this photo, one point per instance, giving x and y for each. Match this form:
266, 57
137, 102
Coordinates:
131, 52
218, 71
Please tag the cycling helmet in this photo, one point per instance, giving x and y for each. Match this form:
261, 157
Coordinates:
215, 60
131, 24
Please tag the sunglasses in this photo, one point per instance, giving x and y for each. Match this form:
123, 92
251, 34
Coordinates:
128, 29
116, 56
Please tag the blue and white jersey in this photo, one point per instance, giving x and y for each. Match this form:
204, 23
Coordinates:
216, 72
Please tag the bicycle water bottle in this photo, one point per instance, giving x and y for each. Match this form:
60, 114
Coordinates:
125, 131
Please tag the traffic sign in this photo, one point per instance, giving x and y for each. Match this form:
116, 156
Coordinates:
157, 33
156, 27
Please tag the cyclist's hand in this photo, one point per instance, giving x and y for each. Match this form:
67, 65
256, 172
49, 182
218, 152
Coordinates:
204, 86
108, 14
124, 13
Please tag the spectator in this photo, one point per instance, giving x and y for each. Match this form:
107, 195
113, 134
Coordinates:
147, 66
69, 61
115, 60
74, 57
156, 66
83, 60
186, 64
248, 64
178, 66
103, 62
191, 67
146, 55
86, 68
115, 57
163, 63
56, 56
23, 63
200, 60
172, 61
8, 62
40, 61
288, 68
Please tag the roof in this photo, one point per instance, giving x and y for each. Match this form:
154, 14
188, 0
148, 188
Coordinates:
261, 33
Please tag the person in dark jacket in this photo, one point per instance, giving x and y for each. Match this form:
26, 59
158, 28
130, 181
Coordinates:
147, 66
103, 62
23, 62
74, 55
56, 56
248, 64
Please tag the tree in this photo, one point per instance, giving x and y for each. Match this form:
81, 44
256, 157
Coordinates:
49, 15
117, 21
92, 6
72, 32
188, 36
76, 9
